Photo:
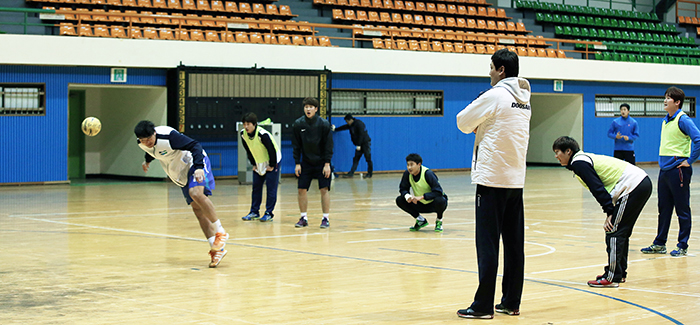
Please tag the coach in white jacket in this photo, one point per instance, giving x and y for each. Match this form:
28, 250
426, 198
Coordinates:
500, 117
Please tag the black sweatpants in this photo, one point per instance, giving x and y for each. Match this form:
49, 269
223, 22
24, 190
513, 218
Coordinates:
626, 155
499, 213
439, 205
365, 149
627, 210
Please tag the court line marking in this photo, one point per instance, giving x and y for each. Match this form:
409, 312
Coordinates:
551, 249
407, 251
370, 260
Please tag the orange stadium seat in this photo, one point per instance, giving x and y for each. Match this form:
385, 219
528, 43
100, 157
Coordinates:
101, 31
203, 5
481, 11
144, 3
231, 6
429, 20
189, 5
413, 45
520, 27
462, 10
221, 22
196, 35
490, 24
531, 51
471, 23
147, 20
115, 17
350, 15
420, 6
500, 25
67, 29
551, 53
243, 8
227, 36
377, 4
490, 49
97, 15
388, 4
354, 3
272, 10
396, 18
84, 30
284, 40
452, 9
561, 54
481, 24
324, 41
174, 4
338, 14
298, 40
384, 17
424, 46
193, 20
208, 23
365, 3
177, 21
480, 49
398, 5
409, 5
165, 33
510, 26
182, 35
242, 37
285, 11
270, 39
217, 5
458, 47
430, 7
311, 41
114, 2
342, 3
491, 12
117, 31
212, 36
135, 32
258, 9
256, 38
441, 7
164, 20
472, 11
150, 33
160, 4
439, 21
362, 15
469, 48
129, 3
408, 19
373, 16
389, 44
447, 47
501, 13
418, 20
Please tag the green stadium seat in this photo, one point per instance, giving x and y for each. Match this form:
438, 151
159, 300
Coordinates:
616, 56
663, 38
626, 35
657, 38
558, 30
556, 18
633, 36
671, 60
637, 25
565, 19
622, 24
539, 16
576, 31
634, 58
598, 21
609, 34
649, 59
617, 35
654, 16
694, 61
548, 17
607, 56
624, 57
645, 26
590, 21
585, 32
657, 59
613, 22
574, 20
568, 30
682, 61
593, 33
606, 22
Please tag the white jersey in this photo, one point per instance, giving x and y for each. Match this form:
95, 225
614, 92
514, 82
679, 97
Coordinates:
170, 151
501, 118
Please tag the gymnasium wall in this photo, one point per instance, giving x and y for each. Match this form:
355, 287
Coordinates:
35, 148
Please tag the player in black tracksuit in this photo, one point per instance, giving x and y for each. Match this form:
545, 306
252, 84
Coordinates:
361, 140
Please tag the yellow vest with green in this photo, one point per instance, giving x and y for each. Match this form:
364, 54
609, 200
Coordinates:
257, 148
421, 187
673, 141
609, 169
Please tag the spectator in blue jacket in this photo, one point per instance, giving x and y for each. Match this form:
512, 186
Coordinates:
625, 131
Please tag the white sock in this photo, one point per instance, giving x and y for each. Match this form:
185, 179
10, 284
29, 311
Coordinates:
211, 241
303, 215
325, 215
219, 227
420, 218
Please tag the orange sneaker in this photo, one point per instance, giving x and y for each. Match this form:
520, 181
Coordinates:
216, 257
219, 241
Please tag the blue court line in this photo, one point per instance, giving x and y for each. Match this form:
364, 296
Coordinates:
671, 319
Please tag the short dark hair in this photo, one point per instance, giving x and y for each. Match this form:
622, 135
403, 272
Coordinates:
144, 129
507, 59
414, 157
349, 117
625, 105
564, 142
310, 101
250, 117
676, 94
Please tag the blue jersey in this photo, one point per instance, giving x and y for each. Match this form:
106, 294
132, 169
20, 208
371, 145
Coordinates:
625, 126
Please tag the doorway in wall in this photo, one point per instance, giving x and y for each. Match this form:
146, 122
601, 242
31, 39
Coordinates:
553, 115
76, 138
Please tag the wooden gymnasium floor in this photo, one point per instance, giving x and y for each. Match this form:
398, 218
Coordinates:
132, 253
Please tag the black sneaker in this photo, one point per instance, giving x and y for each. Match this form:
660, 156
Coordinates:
348, 175
368, 176
325, 223
503, 310
623, 280
470, 313
302, 223
419, 225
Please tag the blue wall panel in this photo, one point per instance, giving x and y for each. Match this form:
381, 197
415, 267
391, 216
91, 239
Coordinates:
35, 148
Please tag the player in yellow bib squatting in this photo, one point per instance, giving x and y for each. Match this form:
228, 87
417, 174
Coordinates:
621, 189
264, 153
427, 196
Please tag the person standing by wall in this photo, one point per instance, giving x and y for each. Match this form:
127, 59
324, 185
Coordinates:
265, 155
360, 138
625, 131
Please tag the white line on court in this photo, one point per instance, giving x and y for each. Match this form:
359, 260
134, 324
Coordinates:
551, 249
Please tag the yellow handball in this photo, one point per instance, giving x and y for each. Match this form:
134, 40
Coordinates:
91, 126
